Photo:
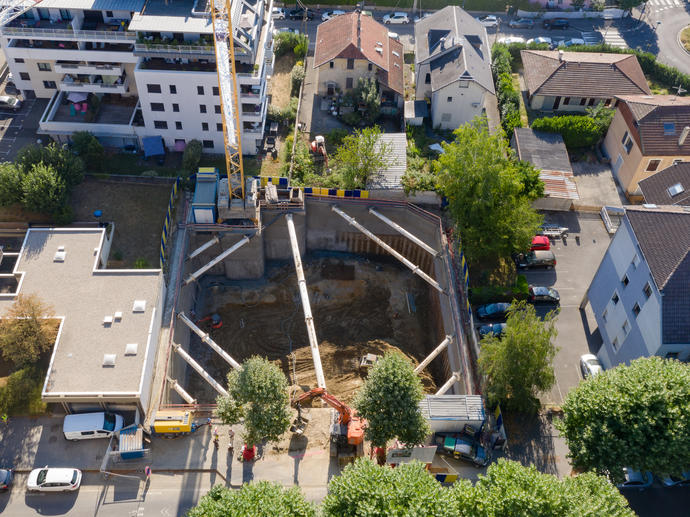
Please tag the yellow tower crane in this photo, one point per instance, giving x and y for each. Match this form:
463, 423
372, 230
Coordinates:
223, 40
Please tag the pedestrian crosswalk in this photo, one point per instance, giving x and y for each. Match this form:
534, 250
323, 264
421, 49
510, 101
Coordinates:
660, 5
613, 37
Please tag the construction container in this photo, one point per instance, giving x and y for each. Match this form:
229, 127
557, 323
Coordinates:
172, 421
451, 413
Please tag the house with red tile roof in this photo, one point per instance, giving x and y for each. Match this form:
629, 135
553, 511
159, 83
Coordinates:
354, 45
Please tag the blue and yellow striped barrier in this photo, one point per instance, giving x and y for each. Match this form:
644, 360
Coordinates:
446, 478
280, 181
167, 224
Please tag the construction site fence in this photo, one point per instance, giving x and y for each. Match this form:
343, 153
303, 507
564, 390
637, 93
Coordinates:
167, 224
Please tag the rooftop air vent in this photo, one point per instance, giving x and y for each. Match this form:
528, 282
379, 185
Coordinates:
650, 206
60, 254
131, 349
109, 359
379, 50
108, 320
139, 306
676, 189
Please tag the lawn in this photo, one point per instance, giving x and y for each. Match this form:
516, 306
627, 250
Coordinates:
138, 211
280, 87
135, 164
685, 38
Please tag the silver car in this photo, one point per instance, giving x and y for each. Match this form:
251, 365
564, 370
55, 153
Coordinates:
9, 102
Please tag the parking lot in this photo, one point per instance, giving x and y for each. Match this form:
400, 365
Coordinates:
18, 127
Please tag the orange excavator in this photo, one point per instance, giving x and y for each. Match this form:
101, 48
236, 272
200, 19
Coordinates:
347, 429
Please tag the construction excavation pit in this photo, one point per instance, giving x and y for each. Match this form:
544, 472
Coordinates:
360, 306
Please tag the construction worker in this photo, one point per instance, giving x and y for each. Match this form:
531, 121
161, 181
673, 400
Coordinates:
215, 436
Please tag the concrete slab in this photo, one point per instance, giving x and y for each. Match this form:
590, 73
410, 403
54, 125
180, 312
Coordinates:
596, 186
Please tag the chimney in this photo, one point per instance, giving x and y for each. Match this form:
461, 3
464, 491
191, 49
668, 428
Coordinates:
560, 55
443, 43
359, 30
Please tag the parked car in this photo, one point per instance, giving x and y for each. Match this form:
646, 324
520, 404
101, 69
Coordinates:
278, 13
673, 480
488, 21
590, 366
538, 258
87, 426
299, 14
11, 88
509, 40
636, 479
569, 42
497, 329
396, 18
540, 293
331, 14
285, 29
556, 23
6, 477
461, 446
9, 102
540, 242
53, 480
421, 16
521, 23
539, 39
492, 311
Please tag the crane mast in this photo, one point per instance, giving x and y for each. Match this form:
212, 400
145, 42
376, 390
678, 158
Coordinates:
223, 40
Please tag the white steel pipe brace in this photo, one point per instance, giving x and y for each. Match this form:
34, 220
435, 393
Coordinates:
308, 318
181, 391
415, 269
419, 242
456, 377
194, 276
207, 339
199, 369
434, 353
204, 247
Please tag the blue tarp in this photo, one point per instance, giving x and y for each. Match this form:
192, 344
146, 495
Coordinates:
153, 146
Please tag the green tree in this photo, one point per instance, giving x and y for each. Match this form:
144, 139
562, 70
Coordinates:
69, 167
10, 184
191, 156
519, 365
89, 149
487, 194
365, 489
510, 489
368, 99
360, 156
44, 190
389, 401
256, 499
257, 392
26, 331
628, 5
631, 416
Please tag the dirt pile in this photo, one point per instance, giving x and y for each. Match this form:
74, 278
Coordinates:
316, 434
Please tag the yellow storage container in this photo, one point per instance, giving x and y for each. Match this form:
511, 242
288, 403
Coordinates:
172, 421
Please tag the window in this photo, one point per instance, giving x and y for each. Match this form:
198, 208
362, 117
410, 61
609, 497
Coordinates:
605, 315
216, 108
153, 88
636, 260
157, 106
615, 344
348, 82
200, 90
108, 14
450, 99
653, 165
50, 85
44, 67
625, 137
427, 79
350, 63
636, 309
204, 126
160, 124
607, 103
591, 102
583, 101
615, 298
464, 84
671, 355
669, 128
331, 64
445, 117
176, 108
18, 60
647, 290
215, 91
24, 76
566, 101
370, 67
173, 89
626, 327
202, 108
208, 144
628, 144
219, 126
178, 125
625, 281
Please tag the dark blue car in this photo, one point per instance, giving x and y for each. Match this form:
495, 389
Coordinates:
496, 329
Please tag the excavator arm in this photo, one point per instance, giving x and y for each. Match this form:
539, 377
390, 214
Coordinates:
343, 409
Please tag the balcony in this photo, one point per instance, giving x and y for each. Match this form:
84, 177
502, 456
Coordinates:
152, 45
70, 51
162, 64
66, 30
95, 83
88, 69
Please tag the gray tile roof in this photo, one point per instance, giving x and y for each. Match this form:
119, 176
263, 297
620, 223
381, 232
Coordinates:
456, 46
655, 188
541, 149
675, 323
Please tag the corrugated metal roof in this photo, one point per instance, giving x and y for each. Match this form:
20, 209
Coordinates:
453, 407
391, 177
96, 5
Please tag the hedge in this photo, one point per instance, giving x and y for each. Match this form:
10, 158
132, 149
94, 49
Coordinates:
493, 294
506, 94
577, 130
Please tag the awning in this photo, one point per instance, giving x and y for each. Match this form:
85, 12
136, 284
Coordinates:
153, 146
77, 96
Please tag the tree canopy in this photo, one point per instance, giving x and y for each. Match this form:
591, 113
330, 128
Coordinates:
43, 189
359, 156
489, 193
26, 332
257, 499
389, 401
519, 364
631, 416
89, 149
257, 393
68, 166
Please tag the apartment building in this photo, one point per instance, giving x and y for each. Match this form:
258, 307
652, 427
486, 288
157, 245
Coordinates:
126, 69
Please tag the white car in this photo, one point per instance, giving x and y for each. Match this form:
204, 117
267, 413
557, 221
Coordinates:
331, 14
590, 366
488, 21
10, 103
396, 18
572, 41
53, 480
285, 29
278, 13
539, 39
421, 16
509, 40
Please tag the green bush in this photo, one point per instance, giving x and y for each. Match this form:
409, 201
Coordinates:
507, 96
191, 156
492, 294
89, 149
44, 190
297, 76
10, 184
141, 263
286, 115
576, 130
22, 393
68, 166
285, 42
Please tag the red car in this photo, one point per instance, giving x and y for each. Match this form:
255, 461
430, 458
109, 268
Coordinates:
540, 242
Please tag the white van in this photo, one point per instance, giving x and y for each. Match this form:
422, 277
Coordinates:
86, 426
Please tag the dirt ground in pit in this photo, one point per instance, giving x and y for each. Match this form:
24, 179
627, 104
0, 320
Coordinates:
316, 434
359, 306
